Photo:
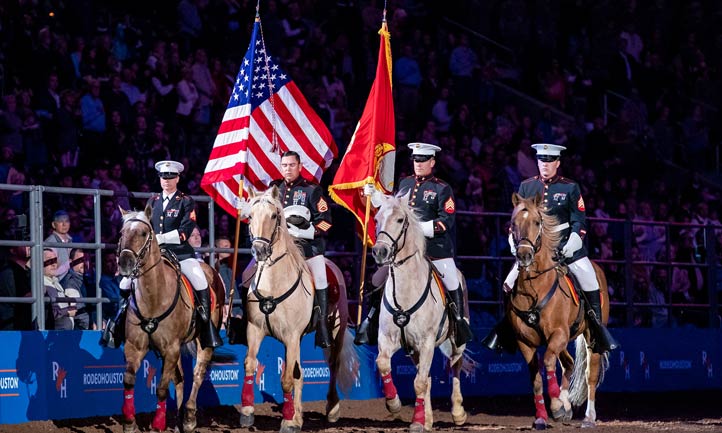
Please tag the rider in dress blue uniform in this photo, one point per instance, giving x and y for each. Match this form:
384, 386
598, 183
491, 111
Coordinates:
561, 198
433, 201
173, 218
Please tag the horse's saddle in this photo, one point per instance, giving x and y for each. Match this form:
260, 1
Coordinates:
170, 259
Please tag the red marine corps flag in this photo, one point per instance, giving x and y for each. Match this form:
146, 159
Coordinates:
266, 116
371, 153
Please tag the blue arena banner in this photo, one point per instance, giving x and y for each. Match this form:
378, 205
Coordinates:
66, 374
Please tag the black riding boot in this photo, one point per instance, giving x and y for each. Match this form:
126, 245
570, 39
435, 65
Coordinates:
463, 332
323, 339
501, 338
209, 333
368, 332
601, 337
114, 334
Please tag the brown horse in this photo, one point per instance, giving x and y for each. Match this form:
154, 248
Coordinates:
280, 304
543, 311
161, 318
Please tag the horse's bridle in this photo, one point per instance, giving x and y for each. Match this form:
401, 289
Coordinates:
140, 255
274, 234
536, 244
394, 244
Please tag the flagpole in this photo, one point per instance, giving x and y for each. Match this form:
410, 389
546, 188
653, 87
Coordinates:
235, 257
363, 262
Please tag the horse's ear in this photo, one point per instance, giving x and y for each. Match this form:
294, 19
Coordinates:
148, 211
515, 199
251, 193
404, 198
122, 211
538, 200
274, 192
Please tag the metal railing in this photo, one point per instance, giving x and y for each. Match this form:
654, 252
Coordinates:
488, 267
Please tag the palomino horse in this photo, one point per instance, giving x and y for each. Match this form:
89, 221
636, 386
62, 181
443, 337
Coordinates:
543, 311
413, 315
161, 318
280, 304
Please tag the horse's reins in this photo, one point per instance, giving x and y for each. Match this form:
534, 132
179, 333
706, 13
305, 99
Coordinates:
400, 316
148, 325
267, 304
532, 316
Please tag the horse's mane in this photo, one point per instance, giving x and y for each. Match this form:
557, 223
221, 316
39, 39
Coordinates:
414, 233
294, 252
550, 236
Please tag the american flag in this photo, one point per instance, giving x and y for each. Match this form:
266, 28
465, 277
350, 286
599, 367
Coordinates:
266, 116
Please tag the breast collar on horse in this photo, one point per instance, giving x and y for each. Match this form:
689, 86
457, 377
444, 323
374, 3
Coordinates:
268, 304
400, 316
532, 316
148, 325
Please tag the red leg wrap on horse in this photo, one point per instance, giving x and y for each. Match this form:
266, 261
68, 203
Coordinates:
288, 410
159, 418
419, 413
389, 388
552, 384
247, 392
541, 410
128, 405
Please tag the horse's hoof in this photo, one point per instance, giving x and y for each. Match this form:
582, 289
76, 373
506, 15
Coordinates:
559, 414
589, 423
539, 424
189, 427
418, 428
568, 414
334, 414
459, 419
131, 427
247, 420
290, 429
394, 405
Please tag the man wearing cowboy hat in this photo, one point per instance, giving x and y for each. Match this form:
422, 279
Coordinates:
173, 219
433, 201
562, 198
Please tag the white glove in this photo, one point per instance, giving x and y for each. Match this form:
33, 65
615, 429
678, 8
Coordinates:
427, 227
573, 245
512, 247
172, 237
301, 233
160, 237
242, 205
369, 189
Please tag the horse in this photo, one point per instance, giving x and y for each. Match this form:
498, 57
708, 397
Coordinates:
161, 318
280, 304
414, 314
544, 310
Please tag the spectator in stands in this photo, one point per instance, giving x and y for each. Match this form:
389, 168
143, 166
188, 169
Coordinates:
61, 311
11, 125
15, 282
74, 284
93, 114
61, 234
110, 285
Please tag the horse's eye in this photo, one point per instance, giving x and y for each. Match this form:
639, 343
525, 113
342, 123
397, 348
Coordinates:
273, 217
400, 220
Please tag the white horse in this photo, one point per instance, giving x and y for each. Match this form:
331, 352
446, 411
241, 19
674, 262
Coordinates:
413, 315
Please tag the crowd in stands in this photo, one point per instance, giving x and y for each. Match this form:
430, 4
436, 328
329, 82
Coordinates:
94, 94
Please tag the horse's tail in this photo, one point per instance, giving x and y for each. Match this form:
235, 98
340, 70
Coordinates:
347, 363
468, 365
578, 390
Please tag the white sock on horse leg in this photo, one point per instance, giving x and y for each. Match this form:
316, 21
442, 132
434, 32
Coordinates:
591, 412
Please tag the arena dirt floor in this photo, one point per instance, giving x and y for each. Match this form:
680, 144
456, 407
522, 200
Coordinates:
670, 412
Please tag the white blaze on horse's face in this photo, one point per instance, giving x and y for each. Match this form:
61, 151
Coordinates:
526, 231
263, 223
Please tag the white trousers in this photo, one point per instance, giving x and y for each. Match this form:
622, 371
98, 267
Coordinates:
582, 269
191, 268
447, 267
317, 266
